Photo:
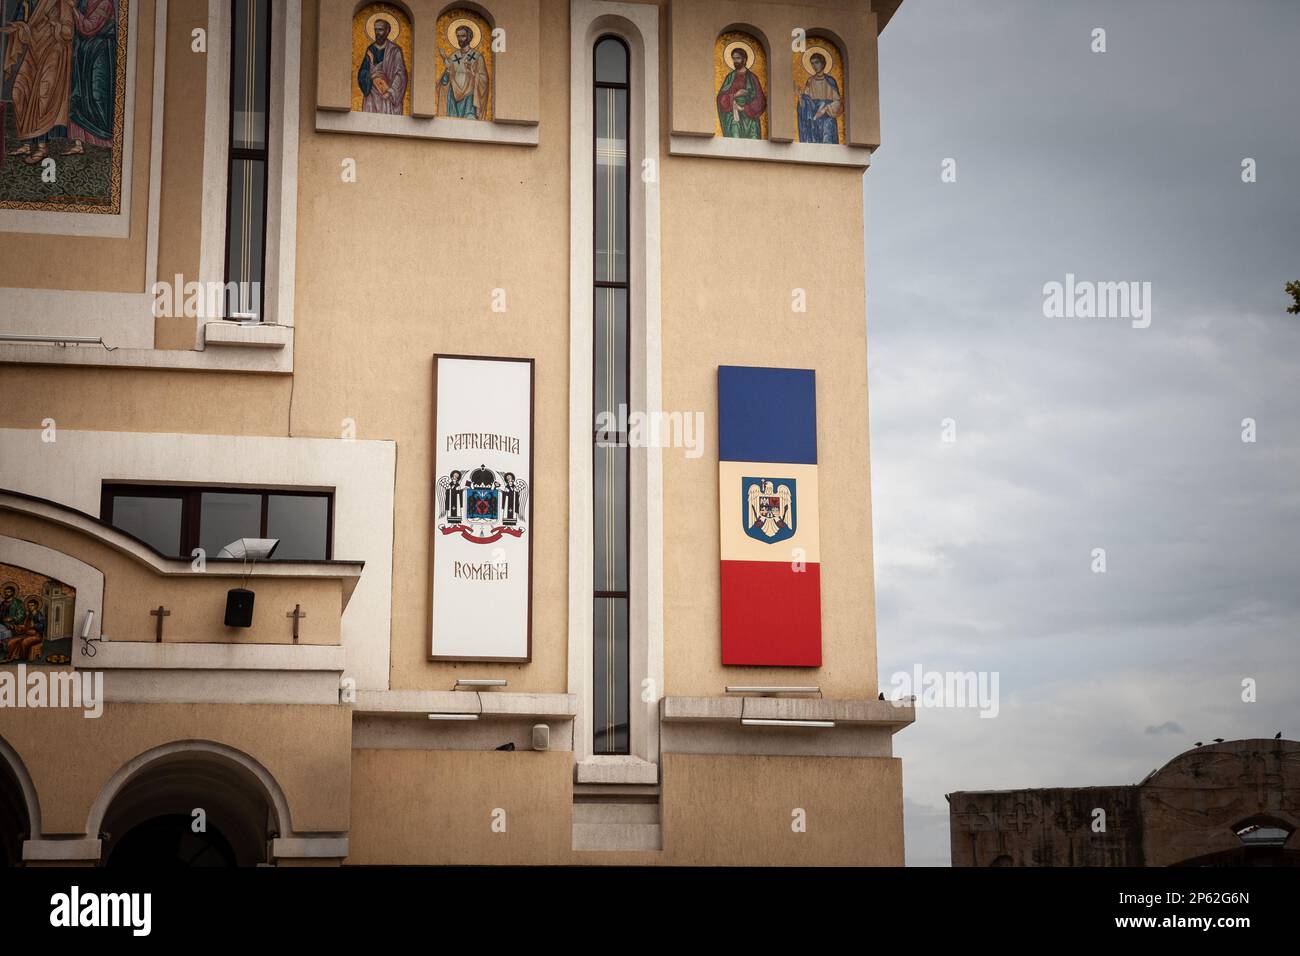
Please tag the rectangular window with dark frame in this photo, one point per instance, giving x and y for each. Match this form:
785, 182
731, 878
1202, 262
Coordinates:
610, 390
174, 520
250, 81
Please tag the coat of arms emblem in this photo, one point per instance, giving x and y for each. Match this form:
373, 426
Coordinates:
482, 505
769, 508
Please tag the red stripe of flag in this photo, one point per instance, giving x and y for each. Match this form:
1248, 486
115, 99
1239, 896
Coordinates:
771, 614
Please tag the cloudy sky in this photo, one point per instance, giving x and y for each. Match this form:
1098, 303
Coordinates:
1074, 434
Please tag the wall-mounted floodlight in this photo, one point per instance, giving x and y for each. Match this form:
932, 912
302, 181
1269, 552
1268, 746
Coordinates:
793, 689
250, 549
453, 716
481, 682
765, 722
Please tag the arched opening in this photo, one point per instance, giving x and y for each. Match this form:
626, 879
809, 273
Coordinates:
15, 827
189, 808
1263, 843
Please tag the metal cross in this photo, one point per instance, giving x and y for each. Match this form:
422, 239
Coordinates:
297, 614
160, 613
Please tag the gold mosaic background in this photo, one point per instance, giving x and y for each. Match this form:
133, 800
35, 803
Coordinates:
722, 67
446, 47
835, 69
360, 41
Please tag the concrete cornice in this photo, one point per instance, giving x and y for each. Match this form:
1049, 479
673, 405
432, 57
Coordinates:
485, 703
841, 710
142, 655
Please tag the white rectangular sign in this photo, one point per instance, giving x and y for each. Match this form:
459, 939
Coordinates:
482, 515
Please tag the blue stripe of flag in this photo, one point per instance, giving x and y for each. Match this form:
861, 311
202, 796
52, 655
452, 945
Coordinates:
767, 414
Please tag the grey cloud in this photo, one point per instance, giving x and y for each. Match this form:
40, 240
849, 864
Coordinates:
1077, 434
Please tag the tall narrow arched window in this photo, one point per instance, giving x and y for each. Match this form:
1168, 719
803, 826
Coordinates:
250, 83
610, 389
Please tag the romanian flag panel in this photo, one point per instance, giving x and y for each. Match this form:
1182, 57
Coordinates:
767, 503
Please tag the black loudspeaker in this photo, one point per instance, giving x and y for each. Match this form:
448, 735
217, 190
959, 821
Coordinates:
239, 607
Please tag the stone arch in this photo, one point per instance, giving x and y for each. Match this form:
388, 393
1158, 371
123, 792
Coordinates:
158, 782
18, 798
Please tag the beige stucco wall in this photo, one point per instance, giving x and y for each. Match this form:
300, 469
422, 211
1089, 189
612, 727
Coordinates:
800, 228
315, 779
437, 807
738, 811
447, 219
181, 196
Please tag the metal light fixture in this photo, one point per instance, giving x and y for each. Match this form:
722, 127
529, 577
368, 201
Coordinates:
250, 549
453, 716
791, 689
771, 722
480, 682
54, 339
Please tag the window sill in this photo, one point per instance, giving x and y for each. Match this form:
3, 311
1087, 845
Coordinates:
463, 130
762, 150
253, 335
617, 770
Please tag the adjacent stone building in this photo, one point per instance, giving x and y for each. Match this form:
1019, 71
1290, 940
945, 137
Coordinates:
1225, 804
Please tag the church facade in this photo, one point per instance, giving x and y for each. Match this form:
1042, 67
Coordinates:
437, 433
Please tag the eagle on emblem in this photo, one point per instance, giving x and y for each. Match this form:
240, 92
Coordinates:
769, 507
482, 504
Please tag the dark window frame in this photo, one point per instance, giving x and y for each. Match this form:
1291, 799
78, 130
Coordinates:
615, 438
191, 497
236, 154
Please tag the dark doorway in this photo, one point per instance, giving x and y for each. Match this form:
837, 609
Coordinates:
169, 842
152, 818
14, 825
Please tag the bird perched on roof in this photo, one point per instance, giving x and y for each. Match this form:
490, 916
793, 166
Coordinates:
1218, 740
881, 697
1199, 744
1278, 735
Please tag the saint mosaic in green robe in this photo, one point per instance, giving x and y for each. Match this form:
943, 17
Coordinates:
741, 101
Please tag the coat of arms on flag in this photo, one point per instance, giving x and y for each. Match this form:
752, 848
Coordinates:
767, 450
769, 508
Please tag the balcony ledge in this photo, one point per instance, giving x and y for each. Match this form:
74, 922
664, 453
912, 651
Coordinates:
881, 713
247, 335
487, 703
